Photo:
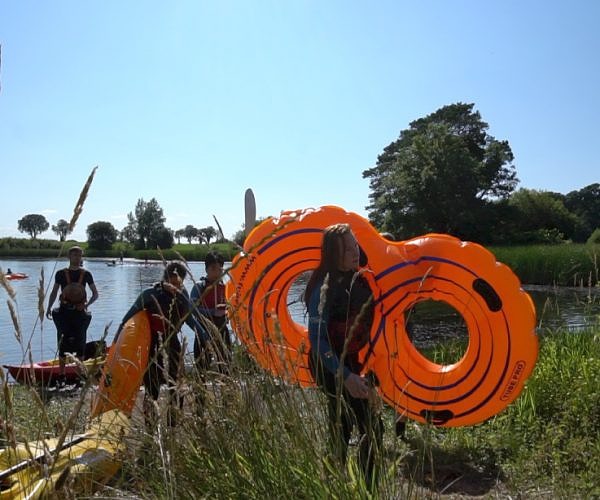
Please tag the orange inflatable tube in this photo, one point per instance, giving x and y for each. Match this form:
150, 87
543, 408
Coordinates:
124, 367
499, 315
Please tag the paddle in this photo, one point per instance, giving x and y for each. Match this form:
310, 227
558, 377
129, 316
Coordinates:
249, 211
249, 216
40, 458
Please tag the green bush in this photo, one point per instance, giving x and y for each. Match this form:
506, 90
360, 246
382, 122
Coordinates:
594, 238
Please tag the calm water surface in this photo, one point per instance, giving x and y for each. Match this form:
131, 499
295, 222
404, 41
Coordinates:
119, 286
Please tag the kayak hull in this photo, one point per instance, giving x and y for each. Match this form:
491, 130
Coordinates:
16, 276
40, 469
124, 369
47, 373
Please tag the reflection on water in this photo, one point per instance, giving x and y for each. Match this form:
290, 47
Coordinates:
574, 308
118, 286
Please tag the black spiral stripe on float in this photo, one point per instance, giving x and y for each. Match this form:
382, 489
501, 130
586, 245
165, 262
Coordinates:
263, 274
287, 234
491, 303
428, 292
500, 380
425, 258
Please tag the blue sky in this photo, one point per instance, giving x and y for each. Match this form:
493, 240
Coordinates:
192, 102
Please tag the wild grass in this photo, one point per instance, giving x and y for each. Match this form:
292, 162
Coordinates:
563, 265
258, 437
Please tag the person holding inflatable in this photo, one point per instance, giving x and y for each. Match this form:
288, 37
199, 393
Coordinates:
340, 313
169, 306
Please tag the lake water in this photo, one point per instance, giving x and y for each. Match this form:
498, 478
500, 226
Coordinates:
119, 285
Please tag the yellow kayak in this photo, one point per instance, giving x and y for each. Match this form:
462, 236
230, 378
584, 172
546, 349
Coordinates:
82, 463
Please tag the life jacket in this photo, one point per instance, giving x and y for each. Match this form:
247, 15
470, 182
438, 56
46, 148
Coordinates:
73, 293
348, 323
211, 294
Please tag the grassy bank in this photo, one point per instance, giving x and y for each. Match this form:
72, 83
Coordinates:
562, 265
259, 438
568, 264
47, 249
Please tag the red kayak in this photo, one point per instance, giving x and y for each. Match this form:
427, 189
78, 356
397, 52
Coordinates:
47, 373
16, 276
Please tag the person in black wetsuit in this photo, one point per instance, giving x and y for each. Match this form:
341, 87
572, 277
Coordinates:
340, 314
71, 317
169, 307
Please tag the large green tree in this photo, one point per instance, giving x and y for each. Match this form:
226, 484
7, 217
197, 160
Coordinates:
585, 203
206, 234
146, 222
542, 217
101, 235
443, 174
178, 235
62, 228
189, 232
161, 238
33, 224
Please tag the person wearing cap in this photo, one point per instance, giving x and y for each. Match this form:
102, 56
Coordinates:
71, 317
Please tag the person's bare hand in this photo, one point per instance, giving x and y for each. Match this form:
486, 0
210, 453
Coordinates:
170, 287
357, 386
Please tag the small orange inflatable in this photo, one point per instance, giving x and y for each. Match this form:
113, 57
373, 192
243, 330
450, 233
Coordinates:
124, 368
499, 315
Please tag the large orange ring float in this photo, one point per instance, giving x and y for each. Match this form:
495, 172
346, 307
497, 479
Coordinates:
499, 315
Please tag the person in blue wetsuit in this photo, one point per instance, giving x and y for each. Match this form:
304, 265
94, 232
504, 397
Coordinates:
340, 314
169, 307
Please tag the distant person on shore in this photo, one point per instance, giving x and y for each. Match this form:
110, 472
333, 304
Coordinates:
8, 271
169, 306
208, 297
71, 317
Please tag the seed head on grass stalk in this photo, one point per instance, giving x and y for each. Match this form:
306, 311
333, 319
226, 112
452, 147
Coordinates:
15, 320
41, 296
79, 206
7, 286
82, 197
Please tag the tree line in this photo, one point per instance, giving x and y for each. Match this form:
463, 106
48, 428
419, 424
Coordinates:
145, 229
444, 174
